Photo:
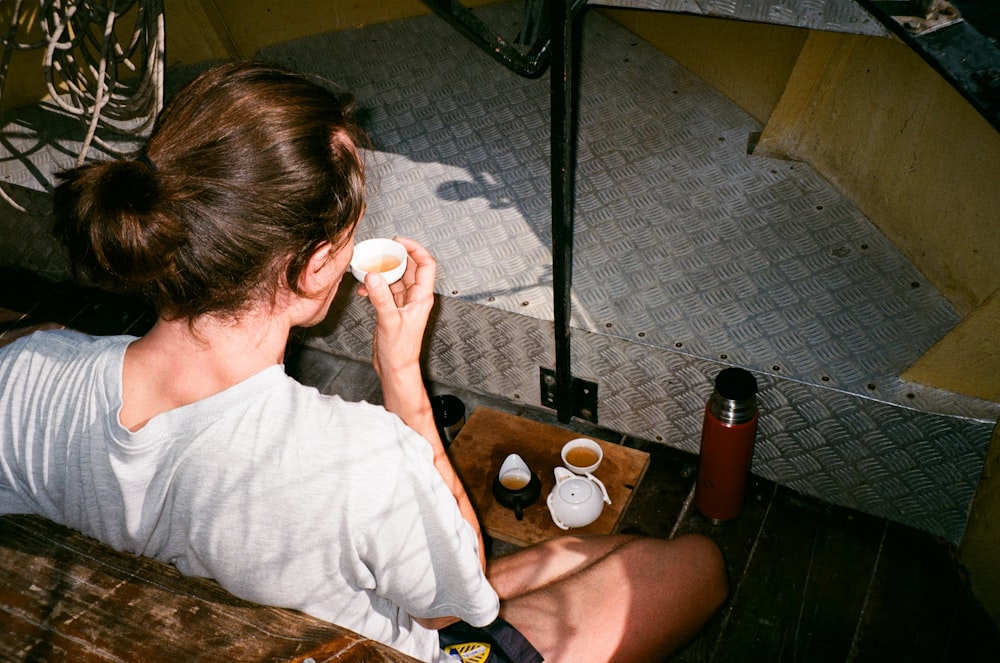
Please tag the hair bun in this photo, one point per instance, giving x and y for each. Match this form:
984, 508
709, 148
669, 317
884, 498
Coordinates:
107, 213
127, 186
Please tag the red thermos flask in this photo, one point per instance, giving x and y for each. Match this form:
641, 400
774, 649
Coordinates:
727, 439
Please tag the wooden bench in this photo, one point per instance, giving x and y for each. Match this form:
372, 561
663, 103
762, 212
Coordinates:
66, 597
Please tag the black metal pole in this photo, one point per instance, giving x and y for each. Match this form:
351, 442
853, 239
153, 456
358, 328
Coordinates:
562, 19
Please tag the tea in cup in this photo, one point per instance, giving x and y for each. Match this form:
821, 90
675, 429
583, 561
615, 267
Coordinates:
515, 479
381, 255
516, 486
582, 455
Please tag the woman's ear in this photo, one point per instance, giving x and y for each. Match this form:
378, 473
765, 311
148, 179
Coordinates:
315, 277
326, 266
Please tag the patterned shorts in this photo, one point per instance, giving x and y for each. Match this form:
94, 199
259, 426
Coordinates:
498, 642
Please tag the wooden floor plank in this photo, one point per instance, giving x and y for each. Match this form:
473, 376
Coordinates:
974, 637
801, 596
659, 502
918, 606
738, 539
843, 556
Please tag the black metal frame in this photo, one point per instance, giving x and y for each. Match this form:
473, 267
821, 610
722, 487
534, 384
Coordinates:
557, 41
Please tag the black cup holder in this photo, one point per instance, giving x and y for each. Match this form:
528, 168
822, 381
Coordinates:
518, 498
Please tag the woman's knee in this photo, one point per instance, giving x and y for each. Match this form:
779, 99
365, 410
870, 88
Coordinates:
705, 556
695, 561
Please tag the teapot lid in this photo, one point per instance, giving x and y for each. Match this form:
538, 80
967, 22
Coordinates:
576, 490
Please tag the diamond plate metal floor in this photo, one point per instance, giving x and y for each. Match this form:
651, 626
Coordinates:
690, 256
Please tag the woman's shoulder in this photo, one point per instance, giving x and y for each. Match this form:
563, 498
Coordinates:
63, 346
60, 337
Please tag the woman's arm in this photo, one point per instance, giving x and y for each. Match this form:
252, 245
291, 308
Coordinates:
401, 314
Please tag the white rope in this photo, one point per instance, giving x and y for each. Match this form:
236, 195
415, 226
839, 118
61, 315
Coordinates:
115, 87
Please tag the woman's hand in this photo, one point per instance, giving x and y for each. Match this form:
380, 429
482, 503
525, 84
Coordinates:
401, 312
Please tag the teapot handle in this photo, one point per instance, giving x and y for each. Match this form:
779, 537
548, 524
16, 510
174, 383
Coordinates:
552, 511
604, 490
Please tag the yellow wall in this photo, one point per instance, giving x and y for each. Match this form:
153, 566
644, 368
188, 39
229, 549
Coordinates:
192, 35
748, 62
206, 30
19, 89
203, 30
965, 360
917, 159
921, 163
249, 25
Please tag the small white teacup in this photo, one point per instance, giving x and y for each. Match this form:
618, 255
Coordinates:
514, 473
385, 256
582, 455
516, 487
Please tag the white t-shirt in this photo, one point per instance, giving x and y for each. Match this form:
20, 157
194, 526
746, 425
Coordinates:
283, 495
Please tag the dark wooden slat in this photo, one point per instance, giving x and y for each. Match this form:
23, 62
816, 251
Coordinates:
805, 585
95, 311
974, 637
737, 539
21, 290
14, 325
842, 555
919, 607
66, 303
659, 501
66, 597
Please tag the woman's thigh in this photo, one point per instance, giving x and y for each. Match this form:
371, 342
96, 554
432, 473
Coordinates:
614, 598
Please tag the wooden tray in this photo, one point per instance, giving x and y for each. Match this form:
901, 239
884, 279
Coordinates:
489, 436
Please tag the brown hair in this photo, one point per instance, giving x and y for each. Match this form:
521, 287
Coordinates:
249, 169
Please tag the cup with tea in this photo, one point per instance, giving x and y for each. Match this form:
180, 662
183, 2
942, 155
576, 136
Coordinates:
516, 486
582, 455
385, 256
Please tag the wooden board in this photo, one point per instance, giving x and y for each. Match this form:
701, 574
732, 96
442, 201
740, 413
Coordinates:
489, 436
65, 597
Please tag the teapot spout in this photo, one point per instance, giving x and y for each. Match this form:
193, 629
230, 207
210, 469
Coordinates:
562, 474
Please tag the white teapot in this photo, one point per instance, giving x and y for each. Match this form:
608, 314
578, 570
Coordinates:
575, 500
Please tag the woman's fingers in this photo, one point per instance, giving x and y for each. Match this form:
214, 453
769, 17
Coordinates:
402, 309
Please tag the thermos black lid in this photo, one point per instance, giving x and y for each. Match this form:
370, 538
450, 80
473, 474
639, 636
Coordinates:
736, 384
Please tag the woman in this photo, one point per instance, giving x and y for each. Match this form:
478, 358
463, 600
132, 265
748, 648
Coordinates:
191, 444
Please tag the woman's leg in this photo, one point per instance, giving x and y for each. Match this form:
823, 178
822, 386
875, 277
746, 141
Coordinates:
610, 598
